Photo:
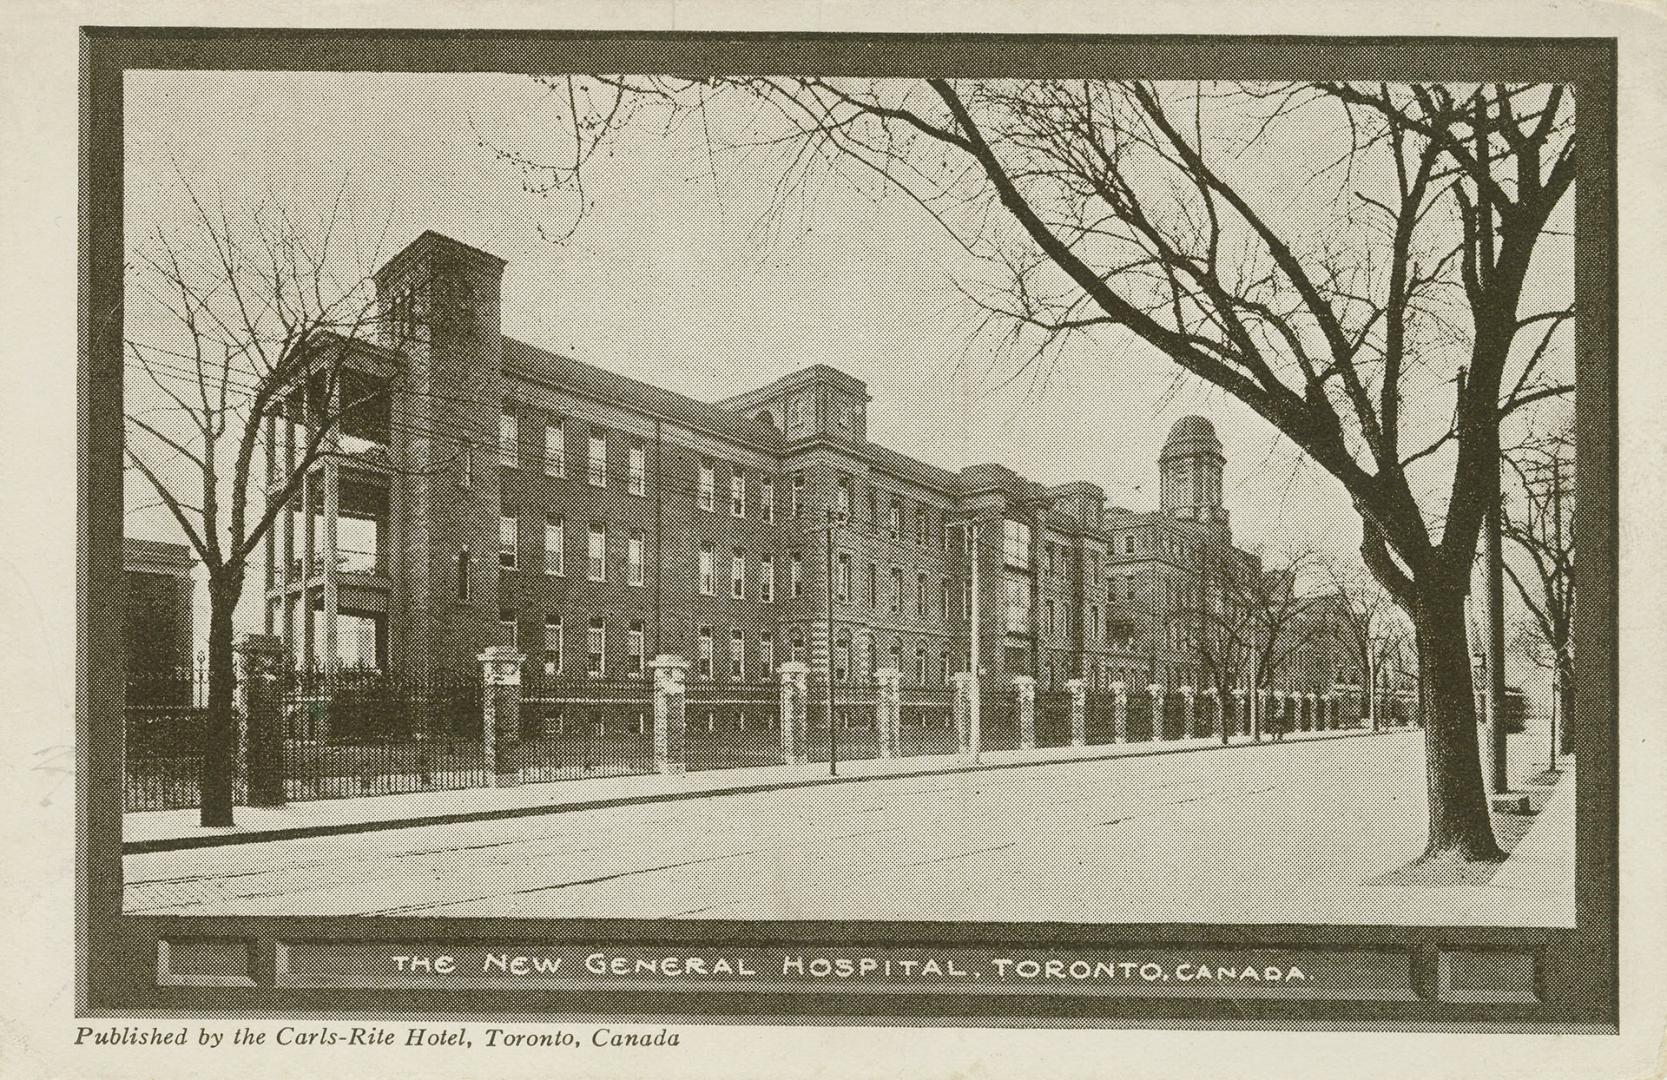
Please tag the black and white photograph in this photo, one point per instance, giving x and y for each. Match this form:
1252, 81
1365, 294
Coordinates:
1161, 494
589, 537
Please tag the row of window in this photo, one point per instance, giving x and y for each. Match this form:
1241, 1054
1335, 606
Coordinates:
759, 661
925, 532
746, 657
555, 453
555, 549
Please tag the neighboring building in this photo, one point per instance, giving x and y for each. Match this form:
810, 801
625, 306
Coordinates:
501, 494
158, 616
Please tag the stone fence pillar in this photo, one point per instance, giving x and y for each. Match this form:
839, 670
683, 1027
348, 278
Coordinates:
501, 723
670, 714
795, 701
1291, 711
1259, 721
1240, 723
1158, 702
1189, 710
888, 709
1119, 712
1218, 722
260, 717
1079, 711
1025, 687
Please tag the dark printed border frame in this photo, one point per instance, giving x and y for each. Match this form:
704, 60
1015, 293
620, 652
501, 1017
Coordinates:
117, 954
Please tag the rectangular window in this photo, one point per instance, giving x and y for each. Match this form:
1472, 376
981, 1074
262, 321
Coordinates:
843, 576
767, 496
706, 587
798, 653
795, 576
708, 491
767, 653
873, 586
896, 590
922, 515
633, 559
704, 668
555, 448
738, 492
1018, 604
894, 522
842, 499
1128, 544
597, 461
506, 623
1015, 544
555, 541
737, 655
1048, 608
920, 665
464, 567
506, 541
767, 579
596, 644
633, 649
509, 439
798, 494
920, 596
738, 574
943, 599
842, 660
552, 645
598, 553
637, 477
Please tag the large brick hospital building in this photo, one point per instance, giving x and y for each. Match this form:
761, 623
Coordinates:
501, 494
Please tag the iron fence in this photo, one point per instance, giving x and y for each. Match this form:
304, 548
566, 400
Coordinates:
1140, 716
732, 726
572, 729
369, 733
1053, 718
927, 722
998, 721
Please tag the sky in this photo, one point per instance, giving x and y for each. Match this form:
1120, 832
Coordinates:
669, 277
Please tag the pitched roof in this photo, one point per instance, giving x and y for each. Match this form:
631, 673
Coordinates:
592, 381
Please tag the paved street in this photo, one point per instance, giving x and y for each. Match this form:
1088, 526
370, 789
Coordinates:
1275, 833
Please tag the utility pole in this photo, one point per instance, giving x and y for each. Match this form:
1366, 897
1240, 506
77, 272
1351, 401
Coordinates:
973, 704
833, 729
1498, 782
1556, 658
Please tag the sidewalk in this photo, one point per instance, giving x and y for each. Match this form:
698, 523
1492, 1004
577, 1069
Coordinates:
174, 830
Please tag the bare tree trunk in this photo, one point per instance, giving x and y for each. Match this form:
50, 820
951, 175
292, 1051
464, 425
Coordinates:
1565, 701
1460, 821
219, 769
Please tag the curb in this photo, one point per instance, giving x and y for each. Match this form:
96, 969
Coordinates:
304, 832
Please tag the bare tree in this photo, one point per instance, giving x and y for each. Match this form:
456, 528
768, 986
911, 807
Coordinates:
229, 318
1348, 261
1538, 519
1366, 623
